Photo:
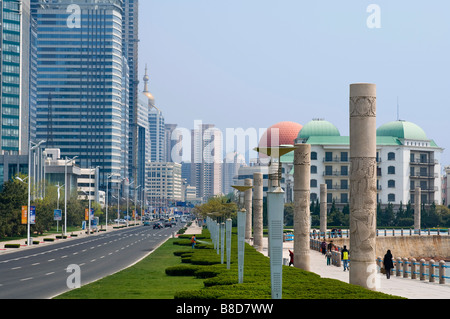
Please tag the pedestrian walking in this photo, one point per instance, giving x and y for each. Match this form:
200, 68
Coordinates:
345, 257
291, 255
193, 241
328, 257
388, 264
324, 247
330, 246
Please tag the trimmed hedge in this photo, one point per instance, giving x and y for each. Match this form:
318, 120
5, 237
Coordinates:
34, 242
12, 245
49, 239
182, 270
221, 283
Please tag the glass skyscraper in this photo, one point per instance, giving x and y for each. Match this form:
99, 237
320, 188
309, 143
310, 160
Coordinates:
82, 82
14, 73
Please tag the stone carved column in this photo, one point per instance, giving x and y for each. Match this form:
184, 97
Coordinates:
302, 219
248, 197
417, 209
363, 185
258, 198
323, 209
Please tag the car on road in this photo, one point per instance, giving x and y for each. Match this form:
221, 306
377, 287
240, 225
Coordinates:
168, 223
157, 225
147, 223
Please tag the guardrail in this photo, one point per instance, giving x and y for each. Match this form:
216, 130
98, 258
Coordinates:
403, 267
345, 233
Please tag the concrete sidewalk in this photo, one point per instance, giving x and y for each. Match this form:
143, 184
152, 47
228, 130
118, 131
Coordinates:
194, 229
397, 286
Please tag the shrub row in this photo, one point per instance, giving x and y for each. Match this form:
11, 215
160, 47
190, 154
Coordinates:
12, 245
221, 283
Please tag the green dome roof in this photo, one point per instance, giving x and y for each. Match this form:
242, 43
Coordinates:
403, 130
318, 128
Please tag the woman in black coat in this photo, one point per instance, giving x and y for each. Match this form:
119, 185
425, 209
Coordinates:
388, 264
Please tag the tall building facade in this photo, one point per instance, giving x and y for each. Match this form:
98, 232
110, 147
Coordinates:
14, 72
83, 91
130, 48
164, 183
406, 159
206, 161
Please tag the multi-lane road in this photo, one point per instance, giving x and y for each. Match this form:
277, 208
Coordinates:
43, 272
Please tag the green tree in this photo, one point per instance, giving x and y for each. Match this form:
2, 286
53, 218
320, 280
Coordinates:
289, 214
13, 196
220, 207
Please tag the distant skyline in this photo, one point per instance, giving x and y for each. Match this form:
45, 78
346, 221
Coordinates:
254, 63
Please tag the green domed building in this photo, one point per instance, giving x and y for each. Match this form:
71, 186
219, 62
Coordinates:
407, 158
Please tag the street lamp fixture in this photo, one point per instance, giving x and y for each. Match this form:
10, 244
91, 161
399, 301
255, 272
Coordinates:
67, 161
107, 183
30, 149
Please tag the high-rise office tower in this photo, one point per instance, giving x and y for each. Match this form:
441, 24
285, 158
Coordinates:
130, 41
157, 135
156, 126
14, 73
206, 161
82, 81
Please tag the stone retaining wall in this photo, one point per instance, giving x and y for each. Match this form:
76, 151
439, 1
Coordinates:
408, 246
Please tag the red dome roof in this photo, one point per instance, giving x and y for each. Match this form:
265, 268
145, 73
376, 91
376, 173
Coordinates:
287, 132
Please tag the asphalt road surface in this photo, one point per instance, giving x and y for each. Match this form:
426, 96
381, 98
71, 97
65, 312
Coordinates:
42, 272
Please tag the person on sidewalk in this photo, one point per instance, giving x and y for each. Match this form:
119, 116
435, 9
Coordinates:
345, 257
388, 264
324, 247
193, 241
328, 257
291, 255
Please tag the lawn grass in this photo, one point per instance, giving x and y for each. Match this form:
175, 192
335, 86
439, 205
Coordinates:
201, 276
145, 280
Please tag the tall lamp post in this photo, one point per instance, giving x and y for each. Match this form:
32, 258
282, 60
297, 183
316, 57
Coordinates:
107, 183
275, 210
135, 203
28, 216
118, 200
31, 149
128, 198
89, 212
67, 161
241, 217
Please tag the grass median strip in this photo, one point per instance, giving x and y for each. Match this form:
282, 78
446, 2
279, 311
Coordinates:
175, 270
145, 280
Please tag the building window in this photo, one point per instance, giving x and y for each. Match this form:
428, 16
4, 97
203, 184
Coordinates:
313, 197
391, 198
313, 155
391, 156
313, 183
313, 169
344, 184
391, 183
391, 170
344, 198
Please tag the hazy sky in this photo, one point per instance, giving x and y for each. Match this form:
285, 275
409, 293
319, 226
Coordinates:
253, 63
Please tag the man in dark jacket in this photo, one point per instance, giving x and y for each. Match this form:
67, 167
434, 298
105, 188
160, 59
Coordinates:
388, 264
